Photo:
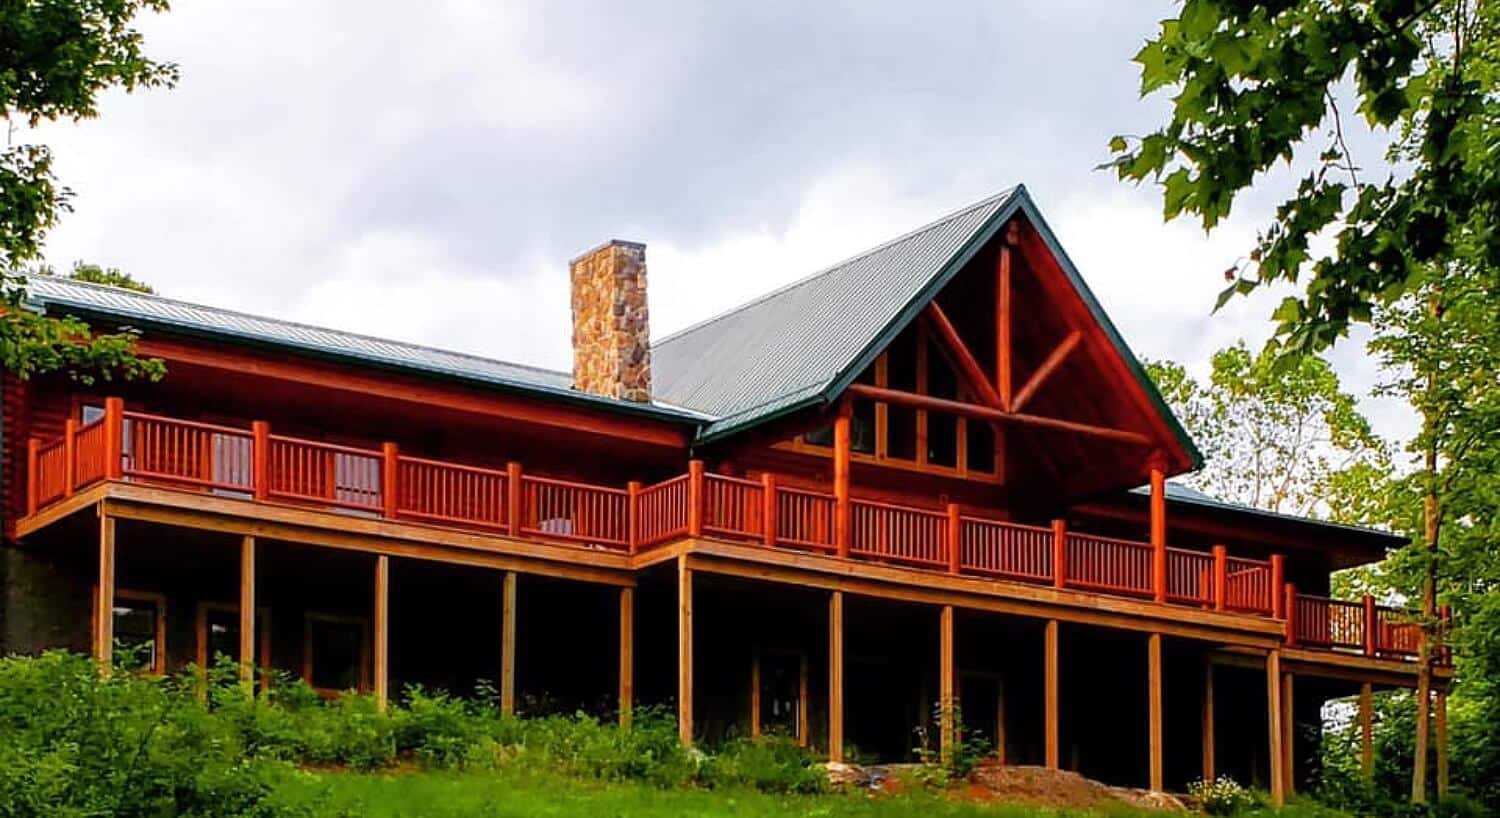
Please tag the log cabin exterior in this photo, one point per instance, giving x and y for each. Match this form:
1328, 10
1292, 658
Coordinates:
931, 473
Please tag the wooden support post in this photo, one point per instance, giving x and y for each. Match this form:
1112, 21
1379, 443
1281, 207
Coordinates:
32, 447
114, 438
1289, 607
804, 703
247, 612
836, 677
695, 498
1059, 553
768, 521
1154, 708
946, 726
1278, 581
390, 458
508, 643
1159, 533
1440, 718
1000, 721
70, 456
1209, 765
1221, 578
1274, 714
1371, 625
1049, 683
685, 650
260, 458
955, 539
382, 619
1367, 731
513, 510
627, 655
755, 694
841, 451
1288, 735
104, 625
1003, 355
633, 516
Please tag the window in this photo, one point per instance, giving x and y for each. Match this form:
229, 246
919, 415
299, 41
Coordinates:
139, 627
219, 634
782, 688
335, 652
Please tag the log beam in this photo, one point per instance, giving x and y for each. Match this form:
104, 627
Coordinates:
1049, 365
1154, 708
1004, 353
1049, 683
1274, 714
1367, 731
382, 631
947, 727
964, 362
978, 412
104, 613
1209, 765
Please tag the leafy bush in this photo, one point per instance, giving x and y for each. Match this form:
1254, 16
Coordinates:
969, 750
1221, 796
770, 764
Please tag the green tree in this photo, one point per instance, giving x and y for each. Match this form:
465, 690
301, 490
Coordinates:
1254, 85
56, 58
95, 274
1285, 439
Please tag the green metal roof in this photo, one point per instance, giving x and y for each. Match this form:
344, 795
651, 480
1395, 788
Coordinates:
145, 311
790, 349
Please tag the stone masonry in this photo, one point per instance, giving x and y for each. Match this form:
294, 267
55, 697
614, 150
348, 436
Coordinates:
611, 324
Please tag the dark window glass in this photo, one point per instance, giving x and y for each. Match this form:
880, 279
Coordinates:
135, 635
780, 686
862, 427
981, 440
822, 436
901, 432
92, 413
941, 382
336, 651
942, 439
901, 363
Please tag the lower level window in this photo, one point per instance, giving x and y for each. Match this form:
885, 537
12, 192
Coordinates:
139, 626
335, 652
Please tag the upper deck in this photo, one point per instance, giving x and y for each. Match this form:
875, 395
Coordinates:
638, 524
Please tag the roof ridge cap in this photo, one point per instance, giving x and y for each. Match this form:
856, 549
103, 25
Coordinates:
951, 215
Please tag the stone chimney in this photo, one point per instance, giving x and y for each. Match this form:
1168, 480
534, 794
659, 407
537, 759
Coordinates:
611, 326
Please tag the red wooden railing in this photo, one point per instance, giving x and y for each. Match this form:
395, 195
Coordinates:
254, 463
1007, 550
900, 534
661, 513
1108, 565
804, 519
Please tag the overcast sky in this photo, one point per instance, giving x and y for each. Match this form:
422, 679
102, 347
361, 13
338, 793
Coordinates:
423, 171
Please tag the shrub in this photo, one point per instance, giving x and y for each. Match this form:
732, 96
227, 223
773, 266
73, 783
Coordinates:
770, 764
1221, 796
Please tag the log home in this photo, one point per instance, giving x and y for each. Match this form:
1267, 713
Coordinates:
931, 473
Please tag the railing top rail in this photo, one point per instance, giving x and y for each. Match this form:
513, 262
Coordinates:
895, 507
1190, 552
1041, 529
803, 492
332, 447
195, 424
569, 484
445, 464
739, 481
681, 478
1099, 538
49, 445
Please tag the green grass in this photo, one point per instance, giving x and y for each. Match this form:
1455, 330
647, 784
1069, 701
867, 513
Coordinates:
535, 793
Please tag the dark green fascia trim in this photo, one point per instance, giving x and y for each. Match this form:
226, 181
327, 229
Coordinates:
815, 398
434, 373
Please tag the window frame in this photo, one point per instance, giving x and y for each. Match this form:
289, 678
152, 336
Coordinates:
365, 669
262, 631
156, 599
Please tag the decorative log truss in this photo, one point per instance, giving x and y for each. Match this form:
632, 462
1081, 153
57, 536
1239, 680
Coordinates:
996, 402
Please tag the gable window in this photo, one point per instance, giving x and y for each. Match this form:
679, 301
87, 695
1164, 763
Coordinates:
915, 438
